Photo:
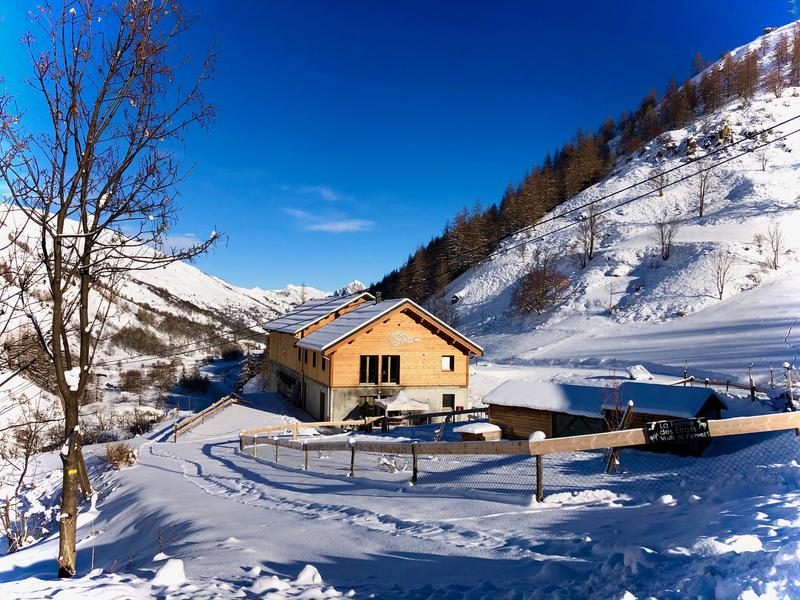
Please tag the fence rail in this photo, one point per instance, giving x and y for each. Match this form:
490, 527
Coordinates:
295, 426
190, 423
482, 460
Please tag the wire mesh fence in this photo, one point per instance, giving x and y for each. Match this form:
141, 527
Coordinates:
761, 458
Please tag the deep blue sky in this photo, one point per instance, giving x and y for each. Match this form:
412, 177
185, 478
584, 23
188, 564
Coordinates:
349, 132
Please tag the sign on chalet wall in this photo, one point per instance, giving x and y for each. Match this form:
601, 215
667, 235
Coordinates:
398, 338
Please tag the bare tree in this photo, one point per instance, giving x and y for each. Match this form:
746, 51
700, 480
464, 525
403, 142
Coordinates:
543, 286
722, 263
704, 181
763, 157
777, 245
95, 189
658, 180
589, 230
666, 229
20, 440
773, 80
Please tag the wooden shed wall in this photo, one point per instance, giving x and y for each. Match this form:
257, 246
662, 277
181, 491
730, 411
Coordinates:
519, 422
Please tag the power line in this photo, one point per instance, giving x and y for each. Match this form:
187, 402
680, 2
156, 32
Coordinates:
641, 182
221, 337
641, 196
565, 213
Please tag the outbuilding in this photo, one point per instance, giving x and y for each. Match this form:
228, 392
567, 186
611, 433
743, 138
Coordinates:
520, 407
658, 402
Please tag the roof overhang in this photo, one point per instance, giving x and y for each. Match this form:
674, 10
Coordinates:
468, 344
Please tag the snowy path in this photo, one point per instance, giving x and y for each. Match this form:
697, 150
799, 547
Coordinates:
234, 521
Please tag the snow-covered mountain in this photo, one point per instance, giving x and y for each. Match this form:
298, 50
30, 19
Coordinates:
353, 287
175, 311
628, 304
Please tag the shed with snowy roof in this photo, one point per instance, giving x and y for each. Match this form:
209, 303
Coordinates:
336, 357
659, 402
520, 407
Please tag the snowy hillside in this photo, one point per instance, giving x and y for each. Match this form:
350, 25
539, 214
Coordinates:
178, 289
155, 312
628, 304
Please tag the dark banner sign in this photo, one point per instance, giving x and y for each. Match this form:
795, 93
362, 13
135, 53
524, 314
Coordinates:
682, 430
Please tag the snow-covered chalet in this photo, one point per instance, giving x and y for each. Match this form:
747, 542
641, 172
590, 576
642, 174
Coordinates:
335, 356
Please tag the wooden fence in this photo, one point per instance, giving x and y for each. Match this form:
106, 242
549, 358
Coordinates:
691, 379
295, 426
190, 423
537, 448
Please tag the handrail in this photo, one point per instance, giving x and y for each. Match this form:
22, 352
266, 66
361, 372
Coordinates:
189, 423
295, 426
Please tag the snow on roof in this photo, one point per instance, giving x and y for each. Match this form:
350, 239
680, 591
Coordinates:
401, 401
584, 400
679, 401
347, 324
638, 373
476, 428
343, 326
581, 400
312, 311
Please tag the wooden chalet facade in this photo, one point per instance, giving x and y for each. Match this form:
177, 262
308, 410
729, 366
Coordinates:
335, 356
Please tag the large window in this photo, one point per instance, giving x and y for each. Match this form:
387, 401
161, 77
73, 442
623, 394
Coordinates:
448, 363
313, 359
390, 368
368, 369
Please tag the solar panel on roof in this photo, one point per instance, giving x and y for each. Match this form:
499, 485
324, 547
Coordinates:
310, 312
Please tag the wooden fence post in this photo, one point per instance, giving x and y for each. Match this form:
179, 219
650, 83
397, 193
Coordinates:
305, 458
241, 444
175, 433
414, 469
294, 430
276, 450
539, 479
255, 446
352, 442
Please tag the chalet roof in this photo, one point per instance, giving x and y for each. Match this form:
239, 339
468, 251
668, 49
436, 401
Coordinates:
589, 401
311, 312
669, 400
346, 325
581, 400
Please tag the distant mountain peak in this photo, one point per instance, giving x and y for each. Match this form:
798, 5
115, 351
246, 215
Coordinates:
354, 287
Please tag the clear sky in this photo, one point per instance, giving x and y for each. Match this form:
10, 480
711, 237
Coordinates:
348, 132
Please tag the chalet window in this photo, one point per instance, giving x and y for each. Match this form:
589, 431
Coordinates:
299, 355
313, 359
448, 401
368, 369
305, 356
324, 362
448, 363
390, 368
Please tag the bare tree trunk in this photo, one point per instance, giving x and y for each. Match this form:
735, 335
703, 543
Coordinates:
68, 518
